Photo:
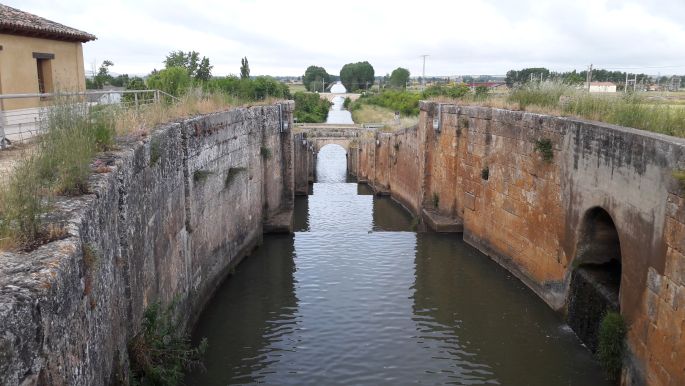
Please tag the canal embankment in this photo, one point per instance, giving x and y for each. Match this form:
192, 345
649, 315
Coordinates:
164, 222
546, 195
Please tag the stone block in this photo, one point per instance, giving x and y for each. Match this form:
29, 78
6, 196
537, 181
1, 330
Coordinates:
470, 201
653, 280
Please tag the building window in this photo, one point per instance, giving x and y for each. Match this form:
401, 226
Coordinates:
44, 69
44, 75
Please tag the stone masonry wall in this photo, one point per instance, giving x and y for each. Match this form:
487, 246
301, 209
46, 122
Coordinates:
528, 214
169, 219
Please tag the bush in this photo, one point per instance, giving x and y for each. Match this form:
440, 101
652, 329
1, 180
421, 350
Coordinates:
455, 91
172, 80
310, 107
545, 148
407, 103
611, 345
136, 83
248, 89
160, 352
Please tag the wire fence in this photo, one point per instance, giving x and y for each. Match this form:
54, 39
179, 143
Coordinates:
23, 116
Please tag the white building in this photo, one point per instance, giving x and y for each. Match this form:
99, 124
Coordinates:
601, 87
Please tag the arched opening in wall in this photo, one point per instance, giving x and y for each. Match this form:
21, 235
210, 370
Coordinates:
596, 276
331, 164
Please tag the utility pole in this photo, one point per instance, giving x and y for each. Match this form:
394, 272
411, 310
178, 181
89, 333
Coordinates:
589, 77
423, 72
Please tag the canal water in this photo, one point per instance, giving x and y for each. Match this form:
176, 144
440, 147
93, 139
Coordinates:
355, 297
337, 114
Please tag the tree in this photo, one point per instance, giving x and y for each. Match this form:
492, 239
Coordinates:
526, 75
315, 77
197, 68
103, 77
310, 107
399, 78
244, 68
357, 76
204, 70
135, 83
173, 80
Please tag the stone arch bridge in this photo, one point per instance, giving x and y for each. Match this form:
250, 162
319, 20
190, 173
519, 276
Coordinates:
310, 138
317, 136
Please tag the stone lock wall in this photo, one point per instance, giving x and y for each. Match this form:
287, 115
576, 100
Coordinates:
174, 212
482, 167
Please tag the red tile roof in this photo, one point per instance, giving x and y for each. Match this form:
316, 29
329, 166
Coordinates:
16, 22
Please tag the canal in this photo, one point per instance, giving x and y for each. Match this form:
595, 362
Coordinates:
355, 297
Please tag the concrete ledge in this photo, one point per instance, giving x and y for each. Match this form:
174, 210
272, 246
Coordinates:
281, 222
440, 223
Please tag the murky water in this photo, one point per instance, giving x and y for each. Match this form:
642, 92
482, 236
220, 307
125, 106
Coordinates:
356, 298
337, 114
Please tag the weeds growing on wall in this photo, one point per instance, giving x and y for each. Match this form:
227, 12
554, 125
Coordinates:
544, 147
161, 351
436, 199
265, 152
58, 164
679, 175
611, 345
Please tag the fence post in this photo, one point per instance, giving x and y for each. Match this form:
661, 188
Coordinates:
2, 129
156, 96
135, 96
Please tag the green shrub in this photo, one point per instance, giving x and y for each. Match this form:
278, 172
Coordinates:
265, 152
611, 344
436, 199
161, 351
485, 173
310, 107
346, 103
248, 89
407, 103
455, 91
172, 80
544, 147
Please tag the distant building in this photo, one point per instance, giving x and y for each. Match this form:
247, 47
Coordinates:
36, 56
602, 87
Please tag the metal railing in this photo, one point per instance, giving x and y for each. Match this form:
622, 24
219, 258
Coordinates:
21, 121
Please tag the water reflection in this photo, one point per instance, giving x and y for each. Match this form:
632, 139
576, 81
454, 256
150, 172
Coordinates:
354, 298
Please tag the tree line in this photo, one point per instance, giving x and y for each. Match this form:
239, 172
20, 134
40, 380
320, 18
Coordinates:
526, 75
357, 76
186, 70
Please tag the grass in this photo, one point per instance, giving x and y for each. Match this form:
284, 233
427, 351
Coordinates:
60, 162
265, 152
611, 346
621, 109
376, 114
679, 175
161, 351
544, 147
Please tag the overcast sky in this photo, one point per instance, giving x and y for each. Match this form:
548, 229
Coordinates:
461, 37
